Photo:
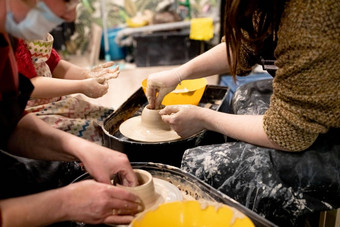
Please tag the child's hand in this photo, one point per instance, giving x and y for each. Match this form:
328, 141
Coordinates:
104, 71
95, 87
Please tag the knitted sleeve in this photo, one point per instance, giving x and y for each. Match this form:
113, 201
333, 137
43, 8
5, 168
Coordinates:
54, 59
306, 97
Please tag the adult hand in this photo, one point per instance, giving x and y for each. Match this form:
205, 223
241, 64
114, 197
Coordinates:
92, 202
158, 85
104, 71
186, 120
103, 163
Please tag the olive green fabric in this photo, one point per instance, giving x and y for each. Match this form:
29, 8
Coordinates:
306, 97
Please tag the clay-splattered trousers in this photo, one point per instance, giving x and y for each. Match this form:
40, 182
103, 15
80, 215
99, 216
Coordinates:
283, 187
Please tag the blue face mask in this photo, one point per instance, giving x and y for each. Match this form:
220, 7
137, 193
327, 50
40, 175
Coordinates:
38, 22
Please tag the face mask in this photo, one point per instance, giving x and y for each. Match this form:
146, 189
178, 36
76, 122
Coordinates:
38, 22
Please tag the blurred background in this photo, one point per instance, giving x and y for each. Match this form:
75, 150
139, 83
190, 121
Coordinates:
143, 32
142, 37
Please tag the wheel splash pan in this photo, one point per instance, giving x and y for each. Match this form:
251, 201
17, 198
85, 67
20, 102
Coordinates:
160, 152
191, 188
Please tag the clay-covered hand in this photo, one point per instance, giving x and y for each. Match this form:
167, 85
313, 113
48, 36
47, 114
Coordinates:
158, 85
104, 71
93, 202
94, 87
103, 164
184, 119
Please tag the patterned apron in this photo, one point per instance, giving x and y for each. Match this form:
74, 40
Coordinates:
68, 113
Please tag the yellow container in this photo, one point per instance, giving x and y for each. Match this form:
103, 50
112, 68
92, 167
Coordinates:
192, 214
188, 92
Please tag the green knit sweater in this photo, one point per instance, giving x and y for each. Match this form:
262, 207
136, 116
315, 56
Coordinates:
306, 88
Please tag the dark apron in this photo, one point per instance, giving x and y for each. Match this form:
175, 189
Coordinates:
21, 176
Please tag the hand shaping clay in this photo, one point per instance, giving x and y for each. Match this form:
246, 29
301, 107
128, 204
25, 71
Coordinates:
149, 127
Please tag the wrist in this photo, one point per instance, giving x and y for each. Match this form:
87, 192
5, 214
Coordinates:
85, 74
184, 71
64, 203
61, 201
203, 116
179, 76
82, 85
75, 147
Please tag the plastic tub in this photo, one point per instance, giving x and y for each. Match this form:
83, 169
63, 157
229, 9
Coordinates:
116, 52
188, 92
192, 213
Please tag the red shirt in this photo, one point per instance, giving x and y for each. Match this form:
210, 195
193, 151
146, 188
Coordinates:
25, 64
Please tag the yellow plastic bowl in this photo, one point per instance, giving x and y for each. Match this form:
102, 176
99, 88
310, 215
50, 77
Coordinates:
188, 92
192, 214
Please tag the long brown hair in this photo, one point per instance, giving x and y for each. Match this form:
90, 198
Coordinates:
249, 21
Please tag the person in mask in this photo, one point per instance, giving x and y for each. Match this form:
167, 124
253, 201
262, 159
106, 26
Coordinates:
27, 28
38, 61
29, 195
282, 155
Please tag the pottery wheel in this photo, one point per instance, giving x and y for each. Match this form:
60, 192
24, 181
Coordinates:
135, 130
166, 192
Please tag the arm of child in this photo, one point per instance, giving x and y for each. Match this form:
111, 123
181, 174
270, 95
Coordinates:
47, 87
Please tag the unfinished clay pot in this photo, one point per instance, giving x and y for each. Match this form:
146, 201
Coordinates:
149, 127
145, 190
152, 119
153, 192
